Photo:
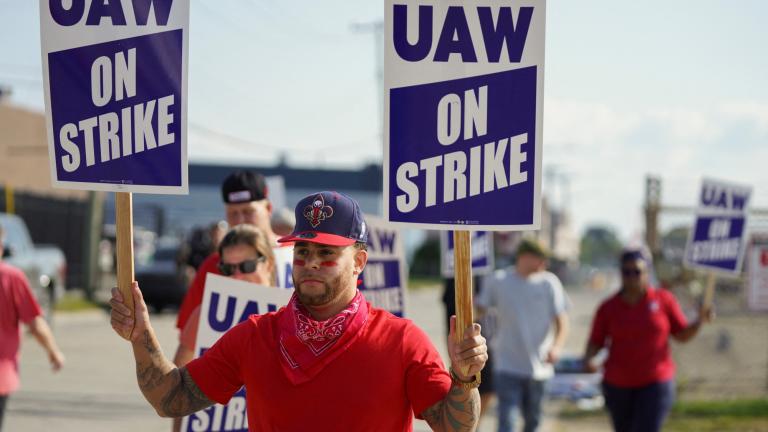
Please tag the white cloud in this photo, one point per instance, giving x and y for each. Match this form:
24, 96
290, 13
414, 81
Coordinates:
607, 153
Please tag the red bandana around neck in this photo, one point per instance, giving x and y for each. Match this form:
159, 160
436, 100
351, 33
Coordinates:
307, 345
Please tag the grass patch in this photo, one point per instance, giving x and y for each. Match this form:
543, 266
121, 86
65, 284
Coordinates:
728, 408
742, 415
74, 303
723, 415
716, 424
416, 283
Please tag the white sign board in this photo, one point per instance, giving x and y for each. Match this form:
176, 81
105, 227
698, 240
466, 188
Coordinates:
115, 79
227, 302
385, 276
284, 266
464, 93
717, 239
757, 279
482, 253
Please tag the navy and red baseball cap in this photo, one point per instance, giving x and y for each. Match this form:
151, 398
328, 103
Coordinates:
330, 218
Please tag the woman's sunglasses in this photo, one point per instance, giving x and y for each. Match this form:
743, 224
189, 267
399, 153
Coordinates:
247, 266
631, 272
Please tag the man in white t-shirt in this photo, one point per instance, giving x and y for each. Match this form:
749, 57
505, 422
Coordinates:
530, 306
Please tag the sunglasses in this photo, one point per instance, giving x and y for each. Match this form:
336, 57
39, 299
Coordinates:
247, 266
631, 272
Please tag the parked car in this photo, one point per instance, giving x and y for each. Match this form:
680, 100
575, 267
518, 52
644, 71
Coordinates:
573, 383
44, 265
162, 276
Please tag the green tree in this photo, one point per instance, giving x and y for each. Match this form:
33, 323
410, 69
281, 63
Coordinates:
600, 247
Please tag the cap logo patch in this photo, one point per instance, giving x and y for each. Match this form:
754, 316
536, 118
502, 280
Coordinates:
239, 196
317, 211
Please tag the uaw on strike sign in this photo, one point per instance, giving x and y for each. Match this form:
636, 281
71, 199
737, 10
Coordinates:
464, 86
227, 302
115, 92
717, 239
384, 276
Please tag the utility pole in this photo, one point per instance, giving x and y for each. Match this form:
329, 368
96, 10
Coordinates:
652, 208
377, 29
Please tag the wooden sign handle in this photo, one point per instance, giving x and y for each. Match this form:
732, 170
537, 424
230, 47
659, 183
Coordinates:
124, 228
709, 290
462, 264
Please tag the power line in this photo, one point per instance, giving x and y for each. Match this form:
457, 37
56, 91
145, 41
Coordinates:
354, 144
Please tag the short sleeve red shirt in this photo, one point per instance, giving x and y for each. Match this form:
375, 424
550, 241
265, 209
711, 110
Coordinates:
17, 304
385, 377
637, 337
194, 296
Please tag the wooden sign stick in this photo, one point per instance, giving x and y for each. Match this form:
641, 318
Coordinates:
124, 228
709, 290
462, 264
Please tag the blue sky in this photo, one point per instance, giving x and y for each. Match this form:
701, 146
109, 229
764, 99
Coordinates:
677, 89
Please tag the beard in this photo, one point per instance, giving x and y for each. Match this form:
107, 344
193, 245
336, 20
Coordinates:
330, 291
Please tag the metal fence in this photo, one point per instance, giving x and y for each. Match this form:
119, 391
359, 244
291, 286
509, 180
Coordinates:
55, 221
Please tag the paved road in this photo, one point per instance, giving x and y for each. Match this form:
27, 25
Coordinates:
97, 391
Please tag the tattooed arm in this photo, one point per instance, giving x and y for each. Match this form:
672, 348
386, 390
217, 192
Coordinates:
170, 390
460, 409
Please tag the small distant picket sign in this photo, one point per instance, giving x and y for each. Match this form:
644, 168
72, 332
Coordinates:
757, 280
463, 116
115, 76
384, 277
717, 238
227, 302
284, 266
482, 253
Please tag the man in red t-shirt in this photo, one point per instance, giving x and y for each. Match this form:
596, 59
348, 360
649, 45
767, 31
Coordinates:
18, 305
245, 202
328, 361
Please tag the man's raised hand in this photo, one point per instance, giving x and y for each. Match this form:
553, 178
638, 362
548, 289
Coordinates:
129, 326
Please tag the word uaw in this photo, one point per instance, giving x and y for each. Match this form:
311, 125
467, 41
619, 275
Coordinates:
481, 169
117, 134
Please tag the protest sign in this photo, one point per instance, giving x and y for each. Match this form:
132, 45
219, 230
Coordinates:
717, 239
115, 87
463, 115
284, 266
115, 93
757, 280
481, 249
227, 302
463, 112
385, 275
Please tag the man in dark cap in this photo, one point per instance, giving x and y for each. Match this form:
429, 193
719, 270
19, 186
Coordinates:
327, 361
245, 202
529, 303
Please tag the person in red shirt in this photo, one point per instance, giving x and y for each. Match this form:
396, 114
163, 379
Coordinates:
328, 361
246, 256
636, 324
18, 305
245, 202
